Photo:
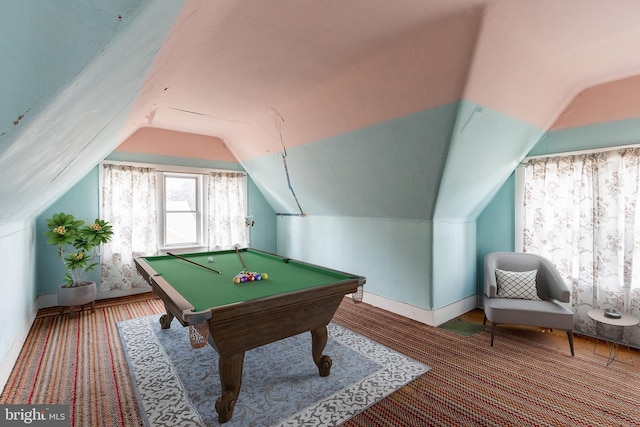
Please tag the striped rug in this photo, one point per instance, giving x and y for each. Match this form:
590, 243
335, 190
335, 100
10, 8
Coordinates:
518, 382
522, 381
80, 361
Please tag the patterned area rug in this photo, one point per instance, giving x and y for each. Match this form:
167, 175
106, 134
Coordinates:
178, 385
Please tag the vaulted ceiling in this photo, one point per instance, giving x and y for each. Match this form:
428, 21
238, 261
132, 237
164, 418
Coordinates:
80, 78
231, 68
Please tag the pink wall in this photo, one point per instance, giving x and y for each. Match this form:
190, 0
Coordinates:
534, 57
165, 142
617, 100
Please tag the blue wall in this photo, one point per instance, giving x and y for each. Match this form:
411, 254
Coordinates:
387, 170
373, 193
59, 115
601, 135
393, 254
496, 227
46, 43
17, 305
453, 266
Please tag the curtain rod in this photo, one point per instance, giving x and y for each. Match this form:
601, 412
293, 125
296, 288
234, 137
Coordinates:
170, 168
578, 152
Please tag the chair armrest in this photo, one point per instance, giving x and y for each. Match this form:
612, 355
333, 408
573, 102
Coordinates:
551, 285
490, 283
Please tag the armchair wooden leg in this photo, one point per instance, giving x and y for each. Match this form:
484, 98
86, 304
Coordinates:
484, 321
493, 331
570, 335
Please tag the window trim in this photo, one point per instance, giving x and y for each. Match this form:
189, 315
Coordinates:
201, 210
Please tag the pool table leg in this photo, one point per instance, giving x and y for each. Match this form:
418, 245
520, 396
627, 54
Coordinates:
165, 320
318, 342
231, 378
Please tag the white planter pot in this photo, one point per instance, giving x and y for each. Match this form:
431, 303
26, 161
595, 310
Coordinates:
77, 296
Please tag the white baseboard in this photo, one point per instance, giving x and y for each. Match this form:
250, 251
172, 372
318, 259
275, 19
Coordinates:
51, 300
123, 293
429, 317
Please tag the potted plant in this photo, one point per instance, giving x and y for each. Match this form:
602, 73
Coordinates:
77, 245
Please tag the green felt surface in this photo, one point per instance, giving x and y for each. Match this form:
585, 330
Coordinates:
205, 289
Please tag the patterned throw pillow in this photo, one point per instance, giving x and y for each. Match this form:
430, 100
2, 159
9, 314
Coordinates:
517, 284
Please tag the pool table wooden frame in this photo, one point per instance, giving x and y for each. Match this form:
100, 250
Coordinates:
236, 328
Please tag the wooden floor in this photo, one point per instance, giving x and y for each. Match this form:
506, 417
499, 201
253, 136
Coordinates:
558, 339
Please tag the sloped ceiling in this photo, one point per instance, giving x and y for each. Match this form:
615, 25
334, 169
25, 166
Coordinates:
258, 75
71, 72
234, 68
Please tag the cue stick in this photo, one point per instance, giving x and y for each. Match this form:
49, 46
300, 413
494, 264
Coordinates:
192, 262
241, 260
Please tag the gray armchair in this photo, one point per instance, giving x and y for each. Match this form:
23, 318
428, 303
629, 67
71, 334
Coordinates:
546, 312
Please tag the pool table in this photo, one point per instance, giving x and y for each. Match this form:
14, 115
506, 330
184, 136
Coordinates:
296, 297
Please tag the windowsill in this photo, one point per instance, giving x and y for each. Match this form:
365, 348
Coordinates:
182, 249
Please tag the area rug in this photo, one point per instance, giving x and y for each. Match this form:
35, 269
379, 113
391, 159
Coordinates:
461, 327
178, 385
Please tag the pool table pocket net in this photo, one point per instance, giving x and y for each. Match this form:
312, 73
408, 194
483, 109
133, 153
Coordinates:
358, 294
199, 334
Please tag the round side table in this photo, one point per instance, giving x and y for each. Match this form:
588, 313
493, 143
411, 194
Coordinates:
626, 320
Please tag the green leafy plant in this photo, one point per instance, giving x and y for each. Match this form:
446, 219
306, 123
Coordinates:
77, 244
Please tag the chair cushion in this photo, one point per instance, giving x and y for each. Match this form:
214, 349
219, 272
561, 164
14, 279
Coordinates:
517, 284
544, 314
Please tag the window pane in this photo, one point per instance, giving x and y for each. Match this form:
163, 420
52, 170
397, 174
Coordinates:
180, 228
180, 194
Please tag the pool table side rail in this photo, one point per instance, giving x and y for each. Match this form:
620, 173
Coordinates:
174, 302
267, 303
361, 280
245, 325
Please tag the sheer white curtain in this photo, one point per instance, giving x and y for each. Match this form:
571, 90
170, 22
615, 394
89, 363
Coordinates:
227, 210
129, 204
583, 213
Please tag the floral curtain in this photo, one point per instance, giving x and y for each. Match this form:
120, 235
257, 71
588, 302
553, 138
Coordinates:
129, 204
227, 210
582, 212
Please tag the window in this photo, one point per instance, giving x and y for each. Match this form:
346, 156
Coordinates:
158, 208
582, 212
182, 211
200, 209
